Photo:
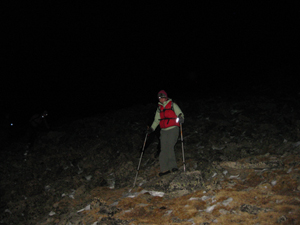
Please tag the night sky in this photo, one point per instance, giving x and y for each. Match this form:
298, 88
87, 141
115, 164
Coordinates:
84, 58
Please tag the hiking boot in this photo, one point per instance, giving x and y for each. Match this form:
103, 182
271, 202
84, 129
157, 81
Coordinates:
164, 173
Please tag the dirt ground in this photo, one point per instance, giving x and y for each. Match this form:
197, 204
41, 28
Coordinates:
242, 167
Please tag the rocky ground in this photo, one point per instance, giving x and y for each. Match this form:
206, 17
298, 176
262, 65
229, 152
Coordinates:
242, 167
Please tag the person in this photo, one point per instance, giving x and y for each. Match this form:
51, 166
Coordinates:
36, 123
169, 116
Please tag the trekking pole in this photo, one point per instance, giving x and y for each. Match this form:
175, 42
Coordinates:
137, 171
183, 160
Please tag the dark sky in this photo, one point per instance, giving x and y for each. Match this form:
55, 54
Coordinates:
86, 57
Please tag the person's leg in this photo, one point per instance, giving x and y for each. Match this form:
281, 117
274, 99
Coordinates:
172, 140
168, 139
163, 156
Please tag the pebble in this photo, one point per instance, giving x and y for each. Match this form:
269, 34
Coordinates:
210, 208
223, 211
52, 213
227, 201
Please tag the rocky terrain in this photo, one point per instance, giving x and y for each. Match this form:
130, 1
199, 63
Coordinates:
242, 167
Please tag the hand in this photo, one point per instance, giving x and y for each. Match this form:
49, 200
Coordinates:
181, 119
149, 130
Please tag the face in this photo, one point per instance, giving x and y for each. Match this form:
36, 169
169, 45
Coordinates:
162, 99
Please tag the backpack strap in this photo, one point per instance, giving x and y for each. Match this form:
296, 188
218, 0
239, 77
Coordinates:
172, 108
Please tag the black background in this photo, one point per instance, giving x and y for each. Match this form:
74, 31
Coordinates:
84, 58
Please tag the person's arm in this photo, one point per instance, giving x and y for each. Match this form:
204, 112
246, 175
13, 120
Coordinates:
177, 110
156, 120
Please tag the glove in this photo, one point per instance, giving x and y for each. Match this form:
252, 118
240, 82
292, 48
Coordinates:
181, 119
149, 130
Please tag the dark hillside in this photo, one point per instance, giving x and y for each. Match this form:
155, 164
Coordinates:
242, 159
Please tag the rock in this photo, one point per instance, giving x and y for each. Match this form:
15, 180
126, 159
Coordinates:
112, 221
282, 219
227, 201
246, 149
251, 209
223, 211
187, 181
80, 191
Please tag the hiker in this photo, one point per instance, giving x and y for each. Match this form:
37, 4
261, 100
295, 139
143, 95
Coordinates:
169, 116
37, 123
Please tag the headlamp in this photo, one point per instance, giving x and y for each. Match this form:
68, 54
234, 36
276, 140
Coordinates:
161, 95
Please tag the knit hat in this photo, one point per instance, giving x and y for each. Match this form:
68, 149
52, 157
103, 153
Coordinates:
162, 93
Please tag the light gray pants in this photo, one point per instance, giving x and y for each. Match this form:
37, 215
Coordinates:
168, 139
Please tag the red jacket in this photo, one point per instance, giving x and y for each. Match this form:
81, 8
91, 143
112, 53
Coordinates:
167, 116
